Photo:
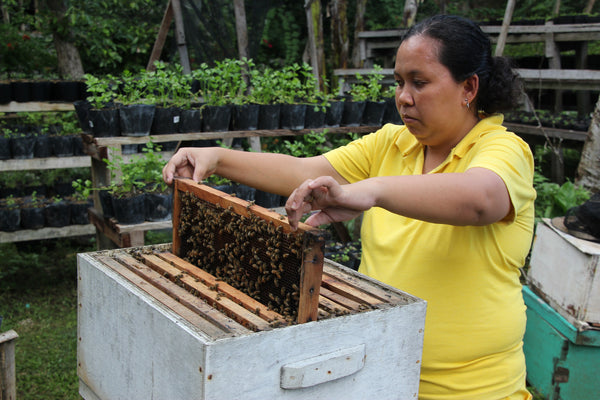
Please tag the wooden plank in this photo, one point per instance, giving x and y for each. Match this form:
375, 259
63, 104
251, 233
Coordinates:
547, 132
45, 163
240, 206
572, 79
25, 235
377, 291
161, 37
183, 296
193, 318
331, 307
228, 290
8, 386
310, 277
35, 106
103, 226
340, 299
342, 288
121, 140
213, 297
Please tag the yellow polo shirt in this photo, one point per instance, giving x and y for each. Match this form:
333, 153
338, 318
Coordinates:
469, 275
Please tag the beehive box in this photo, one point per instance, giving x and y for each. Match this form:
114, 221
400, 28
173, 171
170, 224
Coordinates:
144, 334
565, 271
562, 360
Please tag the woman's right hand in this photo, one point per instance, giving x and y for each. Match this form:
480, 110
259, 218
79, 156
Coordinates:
189, 162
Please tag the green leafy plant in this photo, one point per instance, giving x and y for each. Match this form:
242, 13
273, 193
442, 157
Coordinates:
369, 87
553, 199
140, 174
35, 200
132, 89
83, 189
224, 83
166, 86
10, 202
101, 91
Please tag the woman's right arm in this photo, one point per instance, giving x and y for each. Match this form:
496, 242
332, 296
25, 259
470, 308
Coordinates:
270, 172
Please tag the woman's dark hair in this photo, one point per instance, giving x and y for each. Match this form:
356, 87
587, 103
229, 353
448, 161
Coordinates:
466, 50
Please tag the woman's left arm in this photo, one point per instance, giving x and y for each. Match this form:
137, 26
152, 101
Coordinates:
477, 196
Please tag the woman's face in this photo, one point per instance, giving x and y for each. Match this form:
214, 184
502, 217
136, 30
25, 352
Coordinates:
431, 103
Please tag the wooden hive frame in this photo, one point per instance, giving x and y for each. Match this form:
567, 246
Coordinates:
311, 258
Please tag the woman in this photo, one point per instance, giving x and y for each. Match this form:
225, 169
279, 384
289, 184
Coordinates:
447, 201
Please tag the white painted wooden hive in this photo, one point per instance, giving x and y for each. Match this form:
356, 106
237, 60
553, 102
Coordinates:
143, 336
565, 271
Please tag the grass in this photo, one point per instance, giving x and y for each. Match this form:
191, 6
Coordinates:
39, 297
45, 318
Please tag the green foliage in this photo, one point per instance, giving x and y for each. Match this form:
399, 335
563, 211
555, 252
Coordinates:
309, 145
166, 85
139, 174
224, 83
83, 189
368, 88
291, 84
23, 53
284, 36
113, 36
102, 90
553, 199
9, 202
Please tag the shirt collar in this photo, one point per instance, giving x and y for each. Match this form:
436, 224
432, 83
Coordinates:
463, 146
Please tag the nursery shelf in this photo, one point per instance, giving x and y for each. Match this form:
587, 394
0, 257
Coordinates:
98, 147
14, 106
564, 134
45, 163
124, 235
47, 233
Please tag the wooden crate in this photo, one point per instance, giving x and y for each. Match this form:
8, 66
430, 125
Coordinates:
250, 248
565, 271
150, 325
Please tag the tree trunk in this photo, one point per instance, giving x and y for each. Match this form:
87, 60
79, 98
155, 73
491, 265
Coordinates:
5, 15
339, 33
69, 61
315, 40
589, 6
588, 170
359, 26
556, 10
410, 12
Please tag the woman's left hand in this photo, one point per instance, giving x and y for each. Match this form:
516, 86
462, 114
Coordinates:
335, 202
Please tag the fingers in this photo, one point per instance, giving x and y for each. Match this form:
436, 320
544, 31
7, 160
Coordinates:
310, 195
184, 164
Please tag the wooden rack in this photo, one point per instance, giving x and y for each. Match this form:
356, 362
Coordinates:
43, 164
111, 234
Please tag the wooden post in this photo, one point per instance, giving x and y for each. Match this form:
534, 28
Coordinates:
161, 37
510, 6
8, 387
553, 54
173, 10
180, 34
242, 41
